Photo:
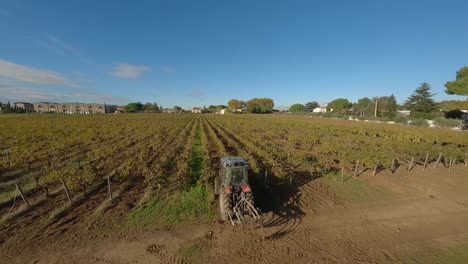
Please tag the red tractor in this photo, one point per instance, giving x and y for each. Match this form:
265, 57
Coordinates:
234, 192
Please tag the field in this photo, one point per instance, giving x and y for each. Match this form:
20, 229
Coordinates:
138, 189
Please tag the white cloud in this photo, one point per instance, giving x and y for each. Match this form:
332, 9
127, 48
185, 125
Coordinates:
28, 74
128, 71
63, 48
14, 93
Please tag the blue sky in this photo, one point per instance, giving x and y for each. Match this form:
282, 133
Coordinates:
195, 53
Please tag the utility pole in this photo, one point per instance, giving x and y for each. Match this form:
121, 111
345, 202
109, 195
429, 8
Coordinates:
375, 111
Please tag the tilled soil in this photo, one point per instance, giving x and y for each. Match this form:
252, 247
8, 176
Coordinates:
304, 222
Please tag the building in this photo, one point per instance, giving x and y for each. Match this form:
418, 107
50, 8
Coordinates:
319, 110
27, 107
72, 108
404, 112
196, 110
168, 111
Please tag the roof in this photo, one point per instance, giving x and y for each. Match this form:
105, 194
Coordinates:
233, 162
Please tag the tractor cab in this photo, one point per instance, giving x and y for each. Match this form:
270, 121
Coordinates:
234, 171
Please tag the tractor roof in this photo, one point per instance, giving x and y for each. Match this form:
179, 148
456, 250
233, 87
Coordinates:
233, 162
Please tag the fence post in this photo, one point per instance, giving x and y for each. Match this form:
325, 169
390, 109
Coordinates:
109, 187
66, 190
410, 166
20, 190
342, 174
425, 161
356, 168
438, 160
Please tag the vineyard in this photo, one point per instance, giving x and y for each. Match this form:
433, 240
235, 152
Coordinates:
68, 169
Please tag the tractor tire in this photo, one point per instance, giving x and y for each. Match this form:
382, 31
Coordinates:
216, 187
225, 205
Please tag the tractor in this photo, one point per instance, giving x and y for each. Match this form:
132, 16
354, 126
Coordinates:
235, 196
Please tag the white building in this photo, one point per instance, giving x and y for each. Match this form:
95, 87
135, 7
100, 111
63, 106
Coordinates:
319, 110
404, 112
196, 110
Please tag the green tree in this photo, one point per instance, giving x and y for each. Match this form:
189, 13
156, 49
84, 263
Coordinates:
339, 105
390, 107
296, 108
460, 85
310, 106
362, 106
133, 107
260, 105
234, 104
151, 107
6, 108
421, 102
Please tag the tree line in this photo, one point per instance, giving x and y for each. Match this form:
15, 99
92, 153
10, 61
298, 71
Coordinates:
255, 105
420, 104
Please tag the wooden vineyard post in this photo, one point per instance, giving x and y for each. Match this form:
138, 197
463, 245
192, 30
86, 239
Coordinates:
451, 163
66, 190
356, 168
438, 160
109, 187
375, 170
342, 174
410, 166
392, 167
266, 177
20, 190
425, 161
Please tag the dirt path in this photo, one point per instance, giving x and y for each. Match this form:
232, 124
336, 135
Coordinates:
427, 211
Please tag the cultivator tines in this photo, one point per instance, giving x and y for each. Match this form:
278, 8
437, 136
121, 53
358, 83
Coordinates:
244, 212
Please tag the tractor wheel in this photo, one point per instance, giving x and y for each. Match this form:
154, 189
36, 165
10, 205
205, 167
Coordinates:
216, 187
225, 206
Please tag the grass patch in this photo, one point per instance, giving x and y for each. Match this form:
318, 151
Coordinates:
353, 189
196, 165
189, 206
191, 251
457, 255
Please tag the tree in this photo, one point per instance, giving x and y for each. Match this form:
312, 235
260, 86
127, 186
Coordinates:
133, 107
151, 107
310, 106
421, 100
390, 107
296, 108
460, 85
339, 105
234, 104
260, 105
362, 106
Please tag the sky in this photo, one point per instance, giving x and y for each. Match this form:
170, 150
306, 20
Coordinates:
195, 53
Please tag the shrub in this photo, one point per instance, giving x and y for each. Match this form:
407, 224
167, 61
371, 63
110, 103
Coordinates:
443, 122
401, 119
419, 122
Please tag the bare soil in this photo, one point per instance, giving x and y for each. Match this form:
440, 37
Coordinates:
306, 221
